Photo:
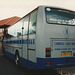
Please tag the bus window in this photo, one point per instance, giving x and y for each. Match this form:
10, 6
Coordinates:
26, 20
59, 16
16, 30
32, 24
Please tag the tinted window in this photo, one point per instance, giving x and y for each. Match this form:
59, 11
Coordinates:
26, 20
32, 23
16, 29
59, 16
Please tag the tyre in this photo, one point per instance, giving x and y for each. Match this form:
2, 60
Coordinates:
17, 59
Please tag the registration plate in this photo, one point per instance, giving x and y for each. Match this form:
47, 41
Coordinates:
66, 53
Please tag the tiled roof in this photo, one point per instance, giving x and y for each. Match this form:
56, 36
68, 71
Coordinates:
9, 21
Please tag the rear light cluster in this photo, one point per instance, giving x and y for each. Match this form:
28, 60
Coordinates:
48, 52
47, 64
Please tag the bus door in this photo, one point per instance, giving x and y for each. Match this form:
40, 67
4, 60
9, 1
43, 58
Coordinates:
31, 36
25, 40
29, 33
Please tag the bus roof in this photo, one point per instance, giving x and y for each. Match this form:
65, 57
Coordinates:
43, 6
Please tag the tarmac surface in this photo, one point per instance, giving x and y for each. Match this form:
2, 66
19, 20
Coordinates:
7, 67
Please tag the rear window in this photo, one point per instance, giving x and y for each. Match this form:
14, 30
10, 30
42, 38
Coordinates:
59, 16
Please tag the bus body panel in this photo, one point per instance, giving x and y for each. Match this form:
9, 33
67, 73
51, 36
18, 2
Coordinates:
61, 40
40, 52
31, 48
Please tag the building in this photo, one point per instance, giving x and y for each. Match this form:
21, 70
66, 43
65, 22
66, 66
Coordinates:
4, 24
9, 21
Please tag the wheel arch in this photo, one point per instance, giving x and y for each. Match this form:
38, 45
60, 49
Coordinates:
16, 52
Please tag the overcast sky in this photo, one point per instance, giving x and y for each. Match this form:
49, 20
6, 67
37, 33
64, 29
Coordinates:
9, 8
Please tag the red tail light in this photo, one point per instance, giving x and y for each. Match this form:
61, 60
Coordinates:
47, 64
48, 48
48, 52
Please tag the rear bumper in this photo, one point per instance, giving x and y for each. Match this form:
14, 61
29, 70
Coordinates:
55, 62
63, 62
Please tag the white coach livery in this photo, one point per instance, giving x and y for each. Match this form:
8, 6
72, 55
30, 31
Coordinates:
44, 38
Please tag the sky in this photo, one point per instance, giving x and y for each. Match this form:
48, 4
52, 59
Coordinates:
10, 8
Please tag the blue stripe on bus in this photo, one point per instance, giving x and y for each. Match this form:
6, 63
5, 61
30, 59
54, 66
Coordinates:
24, 62
41, 62
10, 55
55, 62
27, 63
30, 41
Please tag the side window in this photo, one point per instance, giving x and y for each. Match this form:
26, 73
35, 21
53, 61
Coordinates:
26, 20
32, 24
16, 29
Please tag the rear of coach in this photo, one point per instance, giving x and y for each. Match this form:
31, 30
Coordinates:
58, 38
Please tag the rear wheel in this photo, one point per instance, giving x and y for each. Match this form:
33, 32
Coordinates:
17, 59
